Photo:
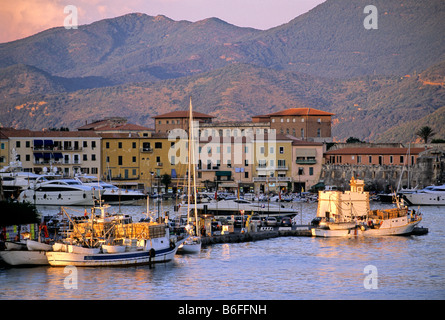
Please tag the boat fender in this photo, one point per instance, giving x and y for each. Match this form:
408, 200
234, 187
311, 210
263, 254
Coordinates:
84, 196
152, 253
44, 196
172, 245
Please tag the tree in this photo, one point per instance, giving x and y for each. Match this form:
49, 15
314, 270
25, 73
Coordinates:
425, 133
166, 180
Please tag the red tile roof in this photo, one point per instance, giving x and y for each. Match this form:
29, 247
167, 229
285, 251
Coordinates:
297, 112
375, 151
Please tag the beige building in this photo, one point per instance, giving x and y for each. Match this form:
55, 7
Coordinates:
307, 162
68, 152
303, 123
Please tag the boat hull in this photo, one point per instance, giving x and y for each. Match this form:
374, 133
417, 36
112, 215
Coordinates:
392, 230
61, 259
55, 198
38, 246
425, 199
23, 257
191, 245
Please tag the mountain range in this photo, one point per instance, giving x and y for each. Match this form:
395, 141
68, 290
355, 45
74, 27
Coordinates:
382, 84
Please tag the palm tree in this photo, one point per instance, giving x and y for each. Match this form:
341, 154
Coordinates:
425, 133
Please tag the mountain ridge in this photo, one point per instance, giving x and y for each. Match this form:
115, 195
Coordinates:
324, 58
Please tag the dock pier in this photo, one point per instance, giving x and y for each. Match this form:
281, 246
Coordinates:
238, 236
299, 231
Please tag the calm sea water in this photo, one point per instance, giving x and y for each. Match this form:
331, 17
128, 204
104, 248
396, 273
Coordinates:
284, 268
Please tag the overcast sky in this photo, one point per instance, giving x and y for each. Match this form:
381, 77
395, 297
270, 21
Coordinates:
22, 18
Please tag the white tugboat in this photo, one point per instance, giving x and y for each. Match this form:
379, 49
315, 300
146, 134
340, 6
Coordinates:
348, 213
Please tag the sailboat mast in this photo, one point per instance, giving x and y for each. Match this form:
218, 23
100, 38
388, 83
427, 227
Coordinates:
192, 163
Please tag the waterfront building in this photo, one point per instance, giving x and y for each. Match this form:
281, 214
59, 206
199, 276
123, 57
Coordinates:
307, 163
374, 155
303, 123
166, 122
68, 152
272, 156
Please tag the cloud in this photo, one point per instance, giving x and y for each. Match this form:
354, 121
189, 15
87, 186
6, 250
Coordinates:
22, 18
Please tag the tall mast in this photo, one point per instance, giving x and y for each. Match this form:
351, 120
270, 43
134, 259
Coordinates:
192, 163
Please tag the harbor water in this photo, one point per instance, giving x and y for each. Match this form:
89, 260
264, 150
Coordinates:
284, 268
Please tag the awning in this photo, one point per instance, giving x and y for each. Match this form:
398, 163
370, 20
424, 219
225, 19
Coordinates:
305, 152
48, 143
38, 143
38, 155
58, 155
47, 155
223, 173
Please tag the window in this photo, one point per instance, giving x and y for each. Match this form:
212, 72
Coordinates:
370, 159
318, 132
246, 174
281, 150
93, 145
246, 162
145, 146
93, 157
85, 144
28, 144
158, 145
107, 145
133, 145
402, 159
302, 133
85, 157
271, 150
17, 144
119, 160
311, 171
134, 159
120, 145
27, 157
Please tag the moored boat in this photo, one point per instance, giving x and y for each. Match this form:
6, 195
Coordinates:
111, 241
348, 213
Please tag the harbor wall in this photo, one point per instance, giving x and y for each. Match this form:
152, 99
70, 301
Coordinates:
429, 170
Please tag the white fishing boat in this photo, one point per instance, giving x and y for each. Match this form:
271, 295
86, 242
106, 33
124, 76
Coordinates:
107, 241
25, 252
33, 245
24, 257
15, 245
61, 192
191, 245
348, 213
429, 196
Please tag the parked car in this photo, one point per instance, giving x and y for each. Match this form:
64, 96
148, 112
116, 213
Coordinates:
256, 219
239, 221
286, 222
271, 221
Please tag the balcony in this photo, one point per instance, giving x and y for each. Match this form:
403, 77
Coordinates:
306, 161
148, 150
272, 179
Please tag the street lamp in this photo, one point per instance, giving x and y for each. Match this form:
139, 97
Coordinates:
151, 182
